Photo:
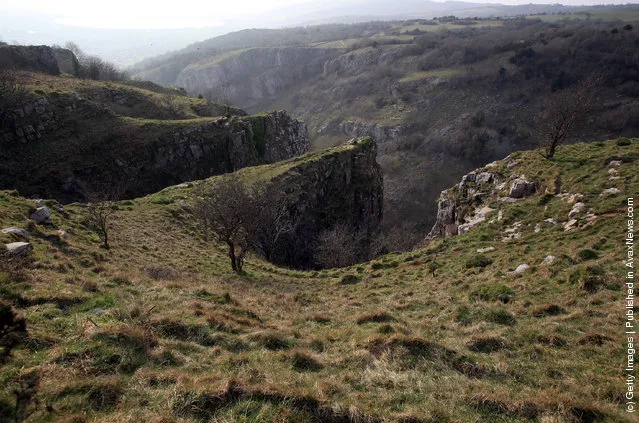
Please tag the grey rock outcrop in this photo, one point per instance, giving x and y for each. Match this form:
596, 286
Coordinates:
32, 58
41, 215
18, 248
16, 231
522, 187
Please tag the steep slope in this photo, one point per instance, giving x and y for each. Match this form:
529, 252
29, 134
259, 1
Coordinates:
158, 328
70, 132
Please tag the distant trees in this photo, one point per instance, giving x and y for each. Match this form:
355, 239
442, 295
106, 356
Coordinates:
563, 109
242, 217
93, 67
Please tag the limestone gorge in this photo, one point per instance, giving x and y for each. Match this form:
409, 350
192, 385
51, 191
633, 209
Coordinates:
411, 219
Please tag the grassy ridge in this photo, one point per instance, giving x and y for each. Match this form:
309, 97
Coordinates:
159, 329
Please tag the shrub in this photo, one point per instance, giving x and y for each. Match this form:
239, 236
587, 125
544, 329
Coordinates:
587, 254
304, 361
13, 330
271, 340
501, 317
377, 317
491, 292
553, 340
463, 316
349, 280
478, 260
622, 142
486, 344
104, 396
161, 273
549, 310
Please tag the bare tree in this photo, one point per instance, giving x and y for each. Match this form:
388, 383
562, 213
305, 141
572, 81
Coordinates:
244, 218
273, 220
101, 206
172, 104
339, 246
564, 109
226, 212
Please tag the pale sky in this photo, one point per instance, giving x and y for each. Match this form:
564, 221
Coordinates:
158, 14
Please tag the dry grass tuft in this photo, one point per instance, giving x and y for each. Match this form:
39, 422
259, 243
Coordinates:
486, 344
305, 361
375, 317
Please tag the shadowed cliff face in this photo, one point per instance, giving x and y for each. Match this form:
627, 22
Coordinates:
343, 187
55, 144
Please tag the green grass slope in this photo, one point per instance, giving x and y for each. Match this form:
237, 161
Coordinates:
159, 329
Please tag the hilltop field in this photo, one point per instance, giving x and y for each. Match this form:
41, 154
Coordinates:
159, 329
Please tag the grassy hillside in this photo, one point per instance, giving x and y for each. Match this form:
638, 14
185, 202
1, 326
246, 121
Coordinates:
159, 329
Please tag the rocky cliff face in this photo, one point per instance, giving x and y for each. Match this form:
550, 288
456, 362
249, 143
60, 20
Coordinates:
33, 58
342, 186
254, 76
462, 207
55, 144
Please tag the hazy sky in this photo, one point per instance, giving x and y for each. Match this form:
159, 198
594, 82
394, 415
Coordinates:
176, 14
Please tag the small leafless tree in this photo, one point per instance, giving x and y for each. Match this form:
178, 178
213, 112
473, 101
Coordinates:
340, 246
244, 218
563, 110
172, 104
273, 220
101, 206
223, 211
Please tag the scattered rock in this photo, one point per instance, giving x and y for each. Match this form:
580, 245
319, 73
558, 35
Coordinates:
608, 192
485, 250
17, 231
578, 208
512, 163
570, 225
42, 214
614, 163
613, 172
479, 216
183, 186
573, 198
62, 234
466, 179
510, 237
485, 178
18, 248
537, 228
521, 268
504, 298
521, 188
548, 260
